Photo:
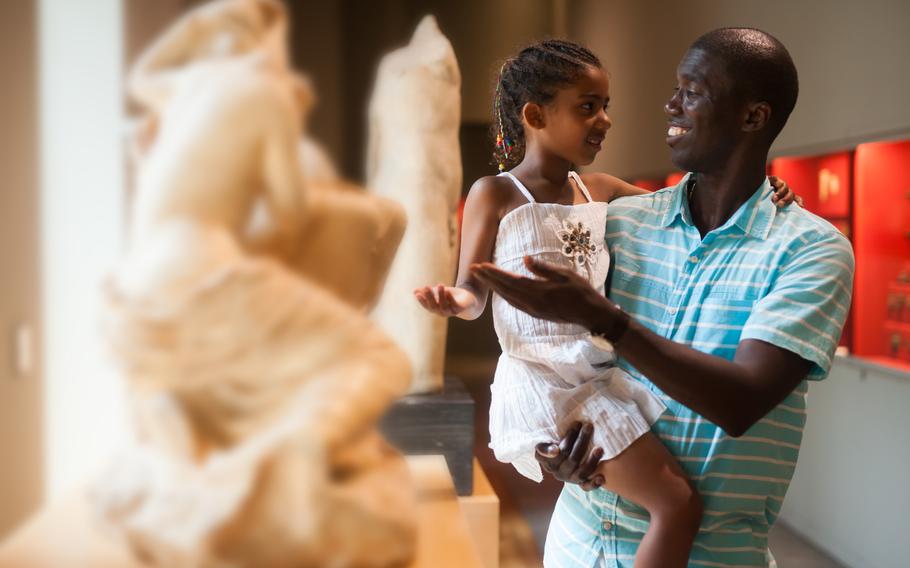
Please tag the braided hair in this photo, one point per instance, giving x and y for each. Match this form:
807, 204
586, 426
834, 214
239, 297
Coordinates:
534, 75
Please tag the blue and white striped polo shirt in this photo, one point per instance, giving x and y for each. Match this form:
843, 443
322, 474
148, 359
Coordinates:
782, 276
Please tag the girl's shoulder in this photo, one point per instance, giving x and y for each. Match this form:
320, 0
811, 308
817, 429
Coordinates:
494, 195
601, 186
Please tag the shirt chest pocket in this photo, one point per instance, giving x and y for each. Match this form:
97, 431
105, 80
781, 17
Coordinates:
719, 318
630, 280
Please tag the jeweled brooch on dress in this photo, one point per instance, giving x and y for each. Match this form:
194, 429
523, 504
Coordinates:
576, 242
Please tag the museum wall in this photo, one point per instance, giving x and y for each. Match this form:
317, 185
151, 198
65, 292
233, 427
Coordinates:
851, 56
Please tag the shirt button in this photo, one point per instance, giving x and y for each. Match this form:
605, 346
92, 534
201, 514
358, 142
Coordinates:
693, 258
607, 525
672, 311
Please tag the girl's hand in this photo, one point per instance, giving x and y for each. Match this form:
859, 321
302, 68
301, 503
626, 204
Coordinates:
783, 195
444, 300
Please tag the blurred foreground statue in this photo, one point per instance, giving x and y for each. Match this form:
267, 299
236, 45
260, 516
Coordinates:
414, 158
237, 317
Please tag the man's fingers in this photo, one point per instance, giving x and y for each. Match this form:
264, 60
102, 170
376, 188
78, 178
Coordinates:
566, 466
581, 444
490, 273
548, 450
546, 454
543, 269
586, 470
504, 285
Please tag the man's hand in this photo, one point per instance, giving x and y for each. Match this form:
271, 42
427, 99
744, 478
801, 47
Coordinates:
559, 294
566, 460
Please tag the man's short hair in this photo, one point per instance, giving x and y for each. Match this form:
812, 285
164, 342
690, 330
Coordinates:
760, 68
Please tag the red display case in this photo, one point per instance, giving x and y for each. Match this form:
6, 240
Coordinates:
651, 184
881, 294
865, 194
673, 179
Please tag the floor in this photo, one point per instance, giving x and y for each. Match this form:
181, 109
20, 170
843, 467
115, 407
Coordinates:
526, 506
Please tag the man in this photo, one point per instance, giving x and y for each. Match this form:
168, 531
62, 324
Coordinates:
725, 305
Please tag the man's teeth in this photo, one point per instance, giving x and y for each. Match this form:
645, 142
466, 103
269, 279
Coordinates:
676, 131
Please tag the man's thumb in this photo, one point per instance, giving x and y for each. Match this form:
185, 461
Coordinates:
548, 450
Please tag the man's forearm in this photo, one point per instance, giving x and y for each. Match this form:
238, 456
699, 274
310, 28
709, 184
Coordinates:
731, 394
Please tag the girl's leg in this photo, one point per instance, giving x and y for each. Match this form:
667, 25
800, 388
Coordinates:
648, 475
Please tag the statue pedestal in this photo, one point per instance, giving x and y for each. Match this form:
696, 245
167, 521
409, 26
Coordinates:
66, 533
437, 423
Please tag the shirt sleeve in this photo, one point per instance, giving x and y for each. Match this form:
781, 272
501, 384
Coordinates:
806, 308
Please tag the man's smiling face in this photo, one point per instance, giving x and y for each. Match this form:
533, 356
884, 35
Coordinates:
704, 117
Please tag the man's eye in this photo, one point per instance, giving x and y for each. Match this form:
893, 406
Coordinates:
690, 93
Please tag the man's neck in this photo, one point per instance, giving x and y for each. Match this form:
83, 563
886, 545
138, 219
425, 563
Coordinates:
717, 195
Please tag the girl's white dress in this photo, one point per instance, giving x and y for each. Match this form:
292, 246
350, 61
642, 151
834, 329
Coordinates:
550, 374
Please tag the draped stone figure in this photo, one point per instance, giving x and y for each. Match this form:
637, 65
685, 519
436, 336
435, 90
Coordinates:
414, 158
237, 317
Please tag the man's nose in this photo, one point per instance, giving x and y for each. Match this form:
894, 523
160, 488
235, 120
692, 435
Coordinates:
672, 105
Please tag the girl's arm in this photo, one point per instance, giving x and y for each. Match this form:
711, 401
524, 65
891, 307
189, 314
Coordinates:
468, 297
605, 187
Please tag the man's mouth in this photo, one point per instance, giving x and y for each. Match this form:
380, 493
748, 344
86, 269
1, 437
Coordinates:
674, 131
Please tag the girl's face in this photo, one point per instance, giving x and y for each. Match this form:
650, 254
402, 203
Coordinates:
576, 121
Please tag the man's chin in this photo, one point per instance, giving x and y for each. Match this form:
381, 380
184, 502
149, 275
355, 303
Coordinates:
680, 162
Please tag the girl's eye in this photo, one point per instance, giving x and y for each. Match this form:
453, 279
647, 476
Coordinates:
588, 107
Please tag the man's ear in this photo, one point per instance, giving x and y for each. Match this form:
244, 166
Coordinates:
532, 113
757, 116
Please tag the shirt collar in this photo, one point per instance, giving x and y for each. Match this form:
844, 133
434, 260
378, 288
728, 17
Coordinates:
754, 217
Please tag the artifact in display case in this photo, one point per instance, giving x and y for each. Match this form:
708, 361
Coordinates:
897, 319
256, 382
881, 298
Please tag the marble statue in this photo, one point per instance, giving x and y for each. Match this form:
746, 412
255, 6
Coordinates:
414, 157
238, 319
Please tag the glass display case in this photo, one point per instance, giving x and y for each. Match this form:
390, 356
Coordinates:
881, 294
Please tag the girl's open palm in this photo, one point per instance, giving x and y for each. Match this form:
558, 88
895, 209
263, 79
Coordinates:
444, 300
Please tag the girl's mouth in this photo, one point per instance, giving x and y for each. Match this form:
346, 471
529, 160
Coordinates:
595, 141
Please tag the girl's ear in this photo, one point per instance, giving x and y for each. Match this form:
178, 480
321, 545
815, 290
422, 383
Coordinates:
532, 114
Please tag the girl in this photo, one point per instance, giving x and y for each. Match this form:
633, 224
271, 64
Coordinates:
550, 111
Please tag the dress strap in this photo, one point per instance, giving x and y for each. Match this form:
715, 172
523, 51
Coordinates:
521, 187
581, 185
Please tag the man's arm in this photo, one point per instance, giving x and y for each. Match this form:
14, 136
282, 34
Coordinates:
732, 394
771, 360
